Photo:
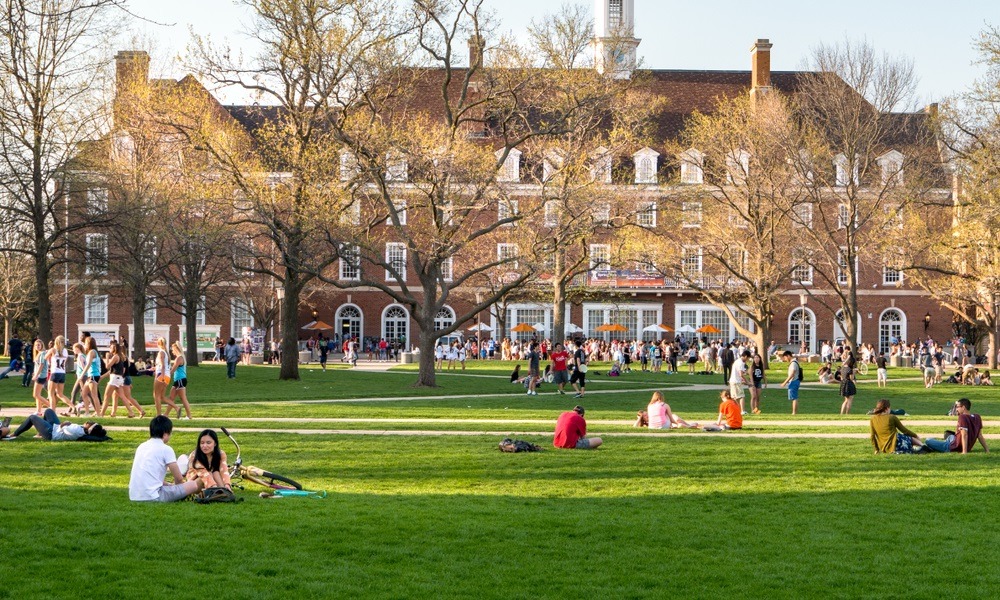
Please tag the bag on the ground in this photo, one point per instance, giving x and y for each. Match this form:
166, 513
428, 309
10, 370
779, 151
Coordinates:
216, 494
511, 445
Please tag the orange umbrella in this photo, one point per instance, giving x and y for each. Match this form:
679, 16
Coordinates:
523, 328
708, 329
318, 326
613, 327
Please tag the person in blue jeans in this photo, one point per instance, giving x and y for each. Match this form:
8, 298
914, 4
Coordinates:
968, 431
232, 354
51, 429
793, 380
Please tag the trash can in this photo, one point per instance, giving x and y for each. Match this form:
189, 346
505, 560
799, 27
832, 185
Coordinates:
406, 357
304, 357
894, 361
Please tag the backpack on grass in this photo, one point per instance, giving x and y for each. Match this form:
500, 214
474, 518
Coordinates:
217, 494
510, 445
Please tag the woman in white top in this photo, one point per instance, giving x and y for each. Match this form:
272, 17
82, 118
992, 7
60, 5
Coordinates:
661, 417
161, 378
58, 356
452, 355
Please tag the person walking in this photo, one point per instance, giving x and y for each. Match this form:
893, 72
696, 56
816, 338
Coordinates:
161, 377
57, 357
40, 376
232, 355
179, 373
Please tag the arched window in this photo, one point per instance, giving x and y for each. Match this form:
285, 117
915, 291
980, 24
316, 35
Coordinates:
840, 327
444, 318
349, 321
891, 328
802, 328
396, 325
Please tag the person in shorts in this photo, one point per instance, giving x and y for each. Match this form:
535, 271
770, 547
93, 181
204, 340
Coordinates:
793, 380
153, 459
534, 372
738, 379
882, 370
571, 431
579, 378
560, 368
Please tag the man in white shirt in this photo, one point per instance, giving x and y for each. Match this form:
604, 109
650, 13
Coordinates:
153, 459
50, 428
738, 378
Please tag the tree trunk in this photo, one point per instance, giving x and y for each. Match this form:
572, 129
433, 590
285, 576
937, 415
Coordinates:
44, 299
138, 347
6, 336
762, 338
427, 377
191, 328
558, 306
991, 357
289, 331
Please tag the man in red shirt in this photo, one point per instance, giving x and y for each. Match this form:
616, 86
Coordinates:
560, 373
571, 429
970, 430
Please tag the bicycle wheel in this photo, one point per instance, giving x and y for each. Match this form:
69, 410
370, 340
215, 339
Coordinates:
864, 368
271, 480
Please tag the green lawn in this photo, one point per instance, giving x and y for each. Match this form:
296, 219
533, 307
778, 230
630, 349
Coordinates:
666, 514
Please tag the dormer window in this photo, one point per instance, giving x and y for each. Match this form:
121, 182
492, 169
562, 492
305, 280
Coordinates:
842, 166
692, 167
891, 164
645, 166
553, 162
348, 165
737, 167
601, 169
510, 172
396, 167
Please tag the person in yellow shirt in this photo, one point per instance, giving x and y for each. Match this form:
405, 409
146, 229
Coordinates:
888, 434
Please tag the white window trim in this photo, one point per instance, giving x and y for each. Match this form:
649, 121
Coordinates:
598, 249
551, 216
95, 298
885, 276
510, 172
503, 254
688, 209
692, 167
90, 267
840, 167
399, 204
842, 273
507, 208
684, 261
350, 250
804, 215
235, 330
396, 168
642, 177
149, 311
389, 246
647, 208
448, 268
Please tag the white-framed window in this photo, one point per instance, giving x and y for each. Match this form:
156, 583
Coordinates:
842, 167
396, 167
802, 274
736, 258
350, 262
737, 166
399, 207
97, 201
645, 166
395, 257
551, 164
842, 266
600, 257
351, 213
201, 316
96, 260
614, 15
801, 328
691, 260
843, 216
95, 309
240, 316
891, 164
891, 275
647, 264
149, 315
891, 328
448, 268
803, 215
444, 318
510, 172
600, 171
691, 214
507, 208
646, 215
551, 218
692, 167
602, 214
508, 254
348, 165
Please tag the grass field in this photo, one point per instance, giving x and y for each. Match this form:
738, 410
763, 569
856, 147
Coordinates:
661, 514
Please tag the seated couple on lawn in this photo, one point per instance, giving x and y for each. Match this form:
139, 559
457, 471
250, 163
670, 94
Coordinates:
659, 416
203, 468
888, 435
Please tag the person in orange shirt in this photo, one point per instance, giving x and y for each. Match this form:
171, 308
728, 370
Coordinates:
729, 411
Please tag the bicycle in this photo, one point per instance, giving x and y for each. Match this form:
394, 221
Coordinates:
863, 367
238, 472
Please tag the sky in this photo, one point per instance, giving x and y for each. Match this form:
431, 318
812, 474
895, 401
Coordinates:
937, 36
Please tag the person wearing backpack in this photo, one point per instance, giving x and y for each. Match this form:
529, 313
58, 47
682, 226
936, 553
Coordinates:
793, 380
579, 378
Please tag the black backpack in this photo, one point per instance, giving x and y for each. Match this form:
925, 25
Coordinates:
510, 445
217, 494
799, 367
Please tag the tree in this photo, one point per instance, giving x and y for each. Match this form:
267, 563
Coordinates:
17, 296
868, 165
743, 215
52, 69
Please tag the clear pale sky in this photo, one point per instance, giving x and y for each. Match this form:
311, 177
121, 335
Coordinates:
717, 34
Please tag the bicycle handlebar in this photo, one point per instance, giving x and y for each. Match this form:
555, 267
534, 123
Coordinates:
233, 440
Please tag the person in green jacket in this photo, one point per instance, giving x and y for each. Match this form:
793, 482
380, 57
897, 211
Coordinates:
888, 434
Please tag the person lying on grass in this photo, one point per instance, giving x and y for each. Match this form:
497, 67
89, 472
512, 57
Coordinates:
154, 458
888, 434
50, 428
970, 429
659, 416
571, 430
729, 411
208, 462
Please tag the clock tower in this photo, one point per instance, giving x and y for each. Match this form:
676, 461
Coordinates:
614, 37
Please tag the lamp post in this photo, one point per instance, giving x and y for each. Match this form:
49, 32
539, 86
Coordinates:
279, 293
927, 322
479, 327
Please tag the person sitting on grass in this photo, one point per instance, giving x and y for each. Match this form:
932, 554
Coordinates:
970, 429
153, 459
985, 379
825, 373
729, 411
888, 434
659, 416
571, 431
50, 428
208, 462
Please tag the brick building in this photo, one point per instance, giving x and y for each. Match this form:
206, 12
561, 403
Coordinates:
889, 307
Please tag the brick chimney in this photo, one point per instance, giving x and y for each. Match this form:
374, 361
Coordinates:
131, 81
476, 48
760, 68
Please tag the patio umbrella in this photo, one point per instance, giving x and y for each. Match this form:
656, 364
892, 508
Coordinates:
613, 327
708, 329
571, 328
685, 329
317, 326
658, 328
523, 328
480, 327
539, 326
